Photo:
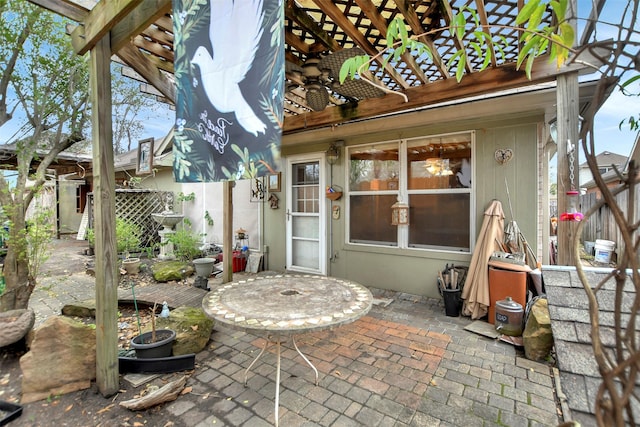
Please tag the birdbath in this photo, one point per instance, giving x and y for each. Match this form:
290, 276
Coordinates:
167, 220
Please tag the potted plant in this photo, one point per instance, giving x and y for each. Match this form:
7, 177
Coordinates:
128, 238
91, 238
155, 343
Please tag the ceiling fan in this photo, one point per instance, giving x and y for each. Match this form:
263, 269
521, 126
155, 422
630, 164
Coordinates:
320, 76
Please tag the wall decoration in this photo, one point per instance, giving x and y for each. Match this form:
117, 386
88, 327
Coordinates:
503, 155
257, 190
274, 182
144, 164
273, 201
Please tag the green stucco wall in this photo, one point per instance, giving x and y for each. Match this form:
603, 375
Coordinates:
415, 271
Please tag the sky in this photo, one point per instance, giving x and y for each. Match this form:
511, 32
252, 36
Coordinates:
608, 136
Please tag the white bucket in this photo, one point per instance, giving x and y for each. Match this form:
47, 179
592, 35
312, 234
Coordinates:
604, 248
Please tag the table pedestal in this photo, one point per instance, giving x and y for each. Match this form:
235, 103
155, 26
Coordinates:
278, 342
286, 305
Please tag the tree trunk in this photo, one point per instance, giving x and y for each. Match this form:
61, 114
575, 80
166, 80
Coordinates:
19, 285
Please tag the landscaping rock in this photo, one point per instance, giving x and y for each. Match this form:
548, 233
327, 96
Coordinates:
62, 359
193, 329
538, 337
166, 271
85, 308
14, 325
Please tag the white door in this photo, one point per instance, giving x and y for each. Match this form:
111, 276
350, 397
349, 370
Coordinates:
306, 243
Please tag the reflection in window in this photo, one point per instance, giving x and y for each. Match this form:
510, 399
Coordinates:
374, 168
435, 179
305, 187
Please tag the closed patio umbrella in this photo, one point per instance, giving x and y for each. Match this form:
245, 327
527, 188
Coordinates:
475, 292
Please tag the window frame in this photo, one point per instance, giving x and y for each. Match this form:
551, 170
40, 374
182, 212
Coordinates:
403, 193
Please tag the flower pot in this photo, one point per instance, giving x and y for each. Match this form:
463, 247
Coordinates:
204, 266
131, 265
145, 349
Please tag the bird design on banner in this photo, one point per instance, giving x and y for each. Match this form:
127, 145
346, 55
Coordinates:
235, 29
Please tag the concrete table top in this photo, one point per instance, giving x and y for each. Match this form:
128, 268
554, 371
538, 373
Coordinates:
288, 304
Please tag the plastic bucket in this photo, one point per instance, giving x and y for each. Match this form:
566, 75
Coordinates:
604, 249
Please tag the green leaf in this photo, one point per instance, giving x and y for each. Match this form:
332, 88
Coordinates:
630, 81
527, 10
530, 65
459, 25
460, 69
536, 17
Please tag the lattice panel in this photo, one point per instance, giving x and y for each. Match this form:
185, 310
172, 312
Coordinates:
136, 206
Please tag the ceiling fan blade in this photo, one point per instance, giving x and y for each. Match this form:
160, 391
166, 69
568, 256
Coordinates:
351, 88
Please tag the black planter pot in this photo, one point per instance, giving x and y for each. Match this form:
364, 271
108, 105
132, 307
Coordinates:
145, 349
452, 302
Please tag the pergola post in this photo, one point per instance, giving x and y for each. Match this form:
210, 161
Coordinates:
107, 275
227, 231
568, 111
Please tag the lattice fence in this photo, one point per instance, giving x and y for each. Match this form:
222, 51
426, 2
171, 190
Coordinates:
136, 206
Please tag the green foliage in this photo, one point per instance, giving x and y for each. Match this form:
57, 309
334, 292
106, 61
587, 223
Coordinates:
182, 197
186, 243
128, 235
537, 38
39, 236
91, 237
207, 217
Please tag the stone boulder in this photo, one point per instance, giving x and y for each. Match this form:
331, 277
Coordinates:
85, 308
14, 325
193, 329
166, 271
61, 359
537, 336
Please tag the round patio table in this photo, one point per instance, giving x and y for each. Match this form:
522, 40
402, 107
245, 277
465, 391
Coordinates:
280, 306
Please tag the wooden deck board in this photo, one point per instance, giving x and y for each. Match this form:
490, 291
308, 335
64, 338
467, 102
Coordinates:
175, 296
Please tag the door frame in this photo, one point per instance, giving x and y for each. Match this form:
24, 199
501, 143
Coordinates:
322, 212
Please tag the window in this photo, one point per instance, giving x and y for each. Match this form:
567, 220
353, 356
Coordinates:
431, 174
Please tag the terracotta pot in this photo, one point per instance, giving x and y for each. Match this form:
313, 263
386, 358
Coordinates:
131, 265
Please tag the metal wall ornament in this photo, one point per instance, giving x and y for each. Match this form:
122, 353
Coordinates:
257, 190
273, 201
503, 155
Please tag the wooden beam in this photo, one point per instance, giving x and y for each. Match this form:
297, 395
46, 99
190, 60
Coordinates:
371, 11
74, 10
138, 20
136, 60
293, 12
409, 13
484, 20
338, 17
460, 45
101, 19
480, 83
107, 274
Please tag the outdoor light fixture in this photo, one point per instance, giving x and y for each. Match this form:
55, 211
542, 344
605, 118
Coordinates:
399, 213
553, 127
333, 154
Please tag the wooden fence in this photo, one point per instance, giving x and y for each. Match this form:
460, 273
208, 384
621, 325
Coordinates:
601, 225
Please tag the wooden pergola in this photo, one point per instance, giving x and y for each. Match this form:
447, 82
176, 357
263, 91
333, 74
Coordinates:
139, 33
